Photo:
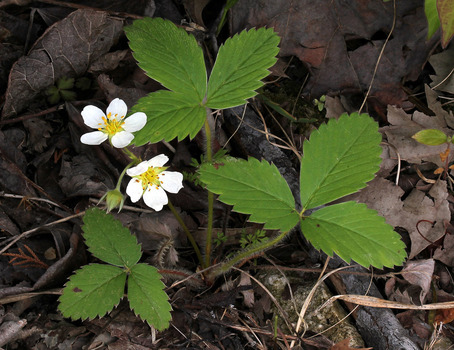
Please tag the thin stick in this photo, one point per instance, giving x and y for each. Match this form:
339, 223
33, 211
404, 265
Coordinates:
379, 58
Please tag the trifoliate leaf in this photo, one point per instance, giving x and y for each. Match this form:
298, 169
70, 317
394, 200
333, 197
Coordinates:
354, 232
169, 115
169, 55
92, 291
431, 137
255, 188
147, 297
108, 240
339, 158
240, 65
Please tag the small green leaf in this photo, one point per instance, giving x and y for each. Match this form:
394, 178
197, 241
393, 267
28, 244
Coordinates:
446, 15
92, 291
147, 297
240, 65
169, 55
353, 231
431, 137
430, 9
169, 115
339, 158
255, 188
65, 83
108, 240
68, 95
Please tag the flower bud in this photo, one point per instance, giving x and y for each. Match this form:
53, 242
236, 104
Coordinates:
114, 199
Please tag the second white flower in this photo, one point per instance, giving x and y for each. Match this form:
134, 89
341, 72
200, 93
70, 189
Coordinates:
150, 180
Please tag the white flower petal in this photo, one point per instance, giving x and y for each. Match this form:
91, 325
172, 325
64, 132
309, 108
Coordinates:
92, 116
155, 197
158, 161
134, 190
172, 181
117, 108
93, 138
135, 122
138, 169
122, 139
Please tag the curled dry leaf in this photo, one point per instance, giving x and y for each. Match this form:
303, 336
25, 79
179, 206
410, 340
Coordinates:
420, 273
417, 211
66, 49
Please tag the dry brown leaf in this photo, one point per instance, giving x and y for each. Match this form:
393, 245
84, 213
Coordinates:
248, 294
385, 197
341, 41
345, 345
419, 273
404, 126
445, 254
444, 316
66, 49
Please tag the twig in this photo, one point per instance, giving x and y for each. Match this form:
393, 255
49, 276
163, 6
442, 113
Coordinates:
26, 233
380, 57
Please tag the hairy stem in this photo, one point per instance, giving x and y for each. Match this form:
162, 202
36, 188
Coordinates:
248, 253
209, 158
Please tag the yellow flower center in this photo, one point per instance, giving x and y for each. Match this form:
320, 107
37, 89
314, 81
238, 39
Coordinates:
112, 124
152, 177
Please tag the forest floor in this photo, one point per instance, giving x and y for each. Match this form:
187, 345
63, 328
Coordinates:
58, 57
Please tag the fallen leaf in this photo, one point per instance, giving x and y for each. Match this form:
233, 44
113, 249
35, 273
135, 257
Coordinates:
420, 273
345, 345
442, 64
385, 197
445, 254
403, 126
66, 49
444, 316
340, 42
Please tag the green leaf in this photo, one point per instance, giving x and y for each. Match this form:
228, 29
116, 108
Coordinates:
339, 158
353, 231
65, 83
229, 4
169, 55
108, 240
446, 15
255, 188
431, 137
147, 297
169, 115
430, 9
240, 65
92, 291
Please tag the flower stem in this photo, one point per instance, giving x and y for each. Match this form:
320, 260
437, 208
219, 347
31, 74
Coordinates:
209, 234
120, 178
131, 155
247, 253
188, 233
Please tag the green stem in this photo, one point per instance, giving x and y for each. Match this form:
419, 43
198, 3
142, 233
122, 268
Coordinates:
188, 233
248, 252
209, 234
120, 178
131, 155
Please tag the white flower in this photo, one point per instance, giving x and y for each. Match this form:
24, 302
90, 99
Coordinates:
114, 126
150, 179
